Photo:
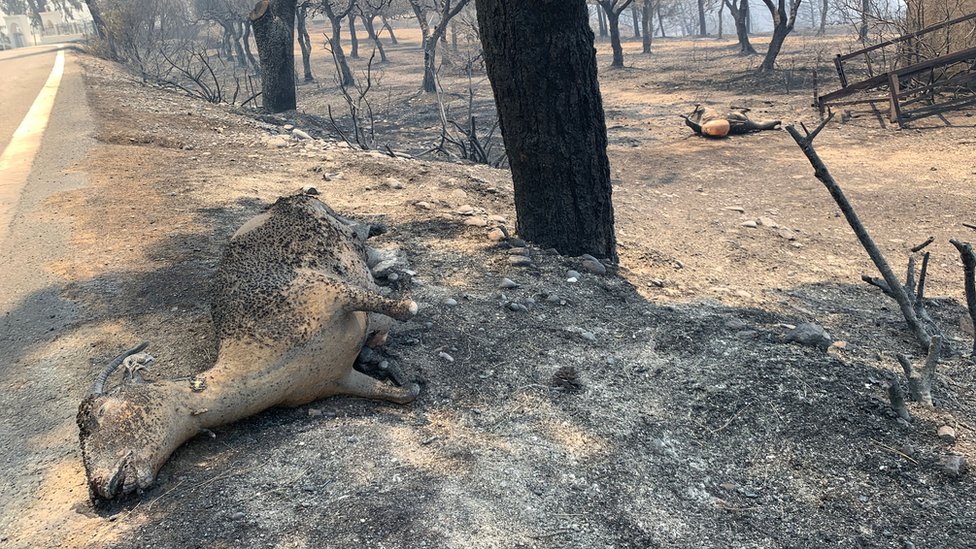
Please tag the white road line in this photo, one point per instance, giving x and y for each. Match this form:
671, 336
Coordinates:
17, 158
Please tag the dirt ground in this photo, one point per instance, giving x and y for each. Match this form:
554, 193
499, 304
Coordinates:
695, 425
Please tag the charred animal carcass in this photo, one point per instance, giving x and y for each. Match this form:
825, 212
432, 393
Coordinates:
293, 304
710, 122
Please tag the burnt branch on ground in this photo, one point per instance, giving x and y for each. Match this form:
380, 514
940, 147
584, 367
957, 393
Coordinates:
908, 298
969, 271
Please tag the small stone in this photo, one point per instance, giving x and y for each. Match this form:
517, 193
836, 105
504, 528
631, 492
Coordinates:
310, 190
237, 515
767, 222
573, 274
450, 302
383, 267
392, 277
314, 412
277, 142
300, 134
518, 243
517, 307
572, 279
947, 434
394, 183
459, 196
954, 466
507, 284
519, 251
496, 235
498, 219
466, 210
750, 224
424, 205
838, 345
446, 356
787, 234
811, 335
747, 334
738, 209
288, 127
475, 221
519, 260
736, 324
594, 267
589, 336
743, 294
657, 282
555, 299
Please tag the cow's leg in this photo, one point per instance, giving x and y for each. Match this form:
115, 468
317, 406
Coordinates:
359, 299
358, 384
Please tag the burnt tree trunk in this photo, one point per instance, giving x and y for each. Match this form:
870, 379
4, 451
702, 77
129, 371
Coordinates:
862, 31
304, 41
823, 18
335, 43
389, 29
740, 16
273, 23
601, 18
647, 22
721, 29
702, 30
635, 17
783, 22
613, 21
246, 39
542, 66
368, 23
353, 38
660, 18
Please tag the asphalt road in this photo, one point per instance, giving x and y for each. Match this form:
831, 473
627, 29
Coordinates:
36, 398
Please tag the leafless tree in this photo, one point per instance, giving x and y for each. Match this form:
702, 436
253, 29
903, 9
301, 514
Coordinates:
784, 18
739, 9
335, 11
613, 9
444, 10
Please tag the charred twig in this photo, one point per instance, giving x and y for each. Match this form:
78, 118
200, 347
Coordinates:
923, 245
969, 273
892, 286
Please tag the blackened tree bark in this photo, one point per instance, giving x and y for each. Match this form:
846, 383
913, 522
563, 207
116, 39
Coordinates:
601, 19
370, 26
647, 22
273, 22
740, 16
613, 9
389, 29
353, 37
335, 15
542, 66
862, 31
783, 21
446, 10
246, 39
635, 17
721, 28
304, 40
823, 18
702, 30
660, 18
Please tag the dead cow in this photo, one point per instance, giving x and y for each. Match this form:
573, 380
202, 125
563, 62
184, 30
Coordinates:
293, 304
709, 122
